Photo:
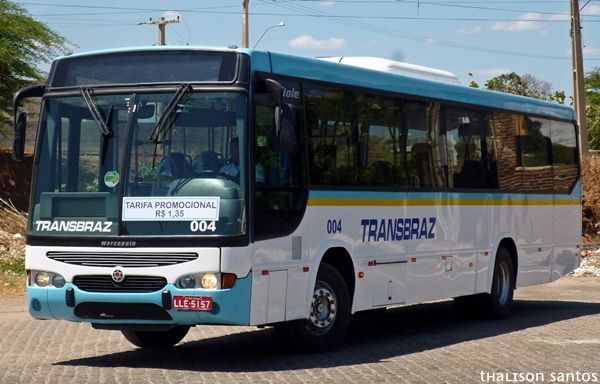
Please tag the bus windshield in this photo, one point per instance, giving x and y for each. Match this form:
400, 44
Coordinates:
165, 163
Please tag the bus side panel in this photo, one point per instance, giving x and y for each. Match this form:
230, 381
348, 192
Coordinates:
280, 279
536, 240
567, 216
411, 247
448, 268
527, 217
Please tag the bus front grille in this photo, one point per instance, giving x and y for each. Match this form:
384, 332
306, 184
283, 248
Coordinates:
131, 284
121, 311
123, 259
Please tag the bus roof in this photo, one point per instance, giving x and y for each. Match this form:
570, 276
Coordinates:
392, 66
377, 79
322, 70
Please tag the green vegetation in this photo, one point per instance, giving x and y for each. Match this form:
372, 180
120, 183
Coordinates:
24, 44
525, 85
592, 93
12, 267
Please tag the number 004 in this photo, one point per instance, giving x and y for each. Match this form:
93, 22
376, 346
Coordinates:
203, 226
334, 226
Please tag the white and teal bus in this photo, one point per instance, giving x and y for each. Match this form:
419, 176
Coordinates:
179, 186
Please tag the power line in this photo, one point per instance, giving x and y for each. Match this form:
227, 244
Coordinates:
459, 4
453, 4
353, 21
353, 17
415, 37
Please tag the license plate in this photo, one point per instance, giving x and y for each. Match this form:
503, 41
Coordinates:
192, 303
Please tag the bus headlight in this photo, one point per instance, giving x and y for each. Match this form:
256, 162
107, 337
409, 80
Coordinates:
58, 281
42, 279
187, 281
209, 281
47, 279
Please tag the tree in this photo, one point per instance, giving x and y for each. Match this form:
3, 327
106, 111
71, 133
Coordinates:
526, 85
24, 44
592, 95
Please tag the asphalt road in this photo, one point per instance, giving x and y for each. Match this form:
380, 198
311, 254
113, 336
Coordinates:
553, 335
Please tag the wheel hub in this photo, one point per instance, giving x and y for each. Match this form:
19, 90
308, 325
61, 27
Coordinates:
323, 307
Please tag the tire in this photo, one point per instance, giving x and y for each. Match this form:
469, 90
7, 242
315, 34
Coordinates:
329, 314
156, 339
498, 303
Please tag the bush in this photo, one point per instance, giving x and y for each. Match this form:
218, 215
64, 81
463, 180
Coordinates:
590, 172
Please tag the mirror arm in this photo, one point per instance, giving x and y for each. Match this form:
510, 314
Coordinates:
20, 119
24, 93
275, 88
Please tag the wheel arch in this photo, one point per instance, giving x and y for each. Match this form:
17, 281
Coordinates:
509, 243
340, 259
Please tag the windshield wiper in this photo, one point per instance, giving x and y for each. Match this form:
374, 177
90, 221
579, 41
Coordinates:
103, 123
182, 90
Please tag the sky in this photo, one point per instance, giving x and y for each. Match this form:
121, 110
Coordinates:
476, 40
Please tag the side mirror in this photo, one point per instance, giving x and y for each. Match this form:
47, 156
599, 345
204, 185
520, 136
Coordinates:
18, 153
275, 90
285, 124
20, 119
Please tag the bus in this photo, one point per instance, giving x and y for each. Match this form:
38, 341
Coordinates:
180, 186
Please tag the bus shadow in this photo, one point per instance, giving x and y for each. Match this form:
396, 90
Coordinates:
369, 339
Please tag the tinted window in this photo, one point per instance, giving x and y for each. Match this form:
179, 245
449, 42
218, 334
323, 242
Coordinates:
333, 136
426, 145
146, 67
535, 154
505, 130
471, 155
280, 166
360, 139
564, 155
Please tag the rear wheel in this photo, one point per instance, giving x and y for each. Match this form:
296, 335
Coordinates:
498, 302
156, 339
329, 314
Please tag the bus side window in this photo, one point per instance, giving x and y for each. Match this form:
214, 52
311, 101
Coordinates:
466, 165
279, 185
564, 156
535, 155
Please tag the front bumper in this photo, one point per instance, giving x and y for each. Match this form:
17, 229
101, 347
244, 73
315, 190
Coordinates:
230, 306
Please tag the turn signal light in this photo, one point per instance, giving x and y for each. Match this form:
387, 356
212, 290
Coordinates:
227, 280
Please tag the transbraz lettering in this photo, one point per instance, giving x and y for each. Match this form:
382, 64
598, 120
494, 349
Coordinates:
409, 228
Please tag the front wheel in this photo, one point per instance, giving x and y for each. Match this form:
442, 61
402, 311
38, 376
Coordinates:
329, 314
156, 339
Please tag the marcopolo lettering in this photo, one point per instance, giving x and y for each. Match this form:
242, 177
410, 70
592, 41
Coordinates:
398, 229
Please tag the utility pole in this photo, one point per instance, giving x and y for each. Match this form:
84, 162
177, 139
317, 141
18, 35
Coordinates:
245, 33
578, 77
162, 22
